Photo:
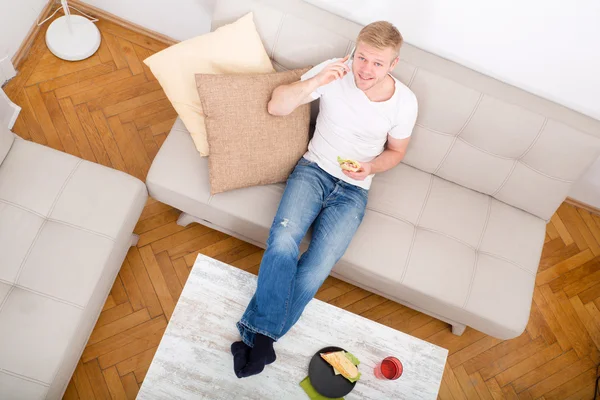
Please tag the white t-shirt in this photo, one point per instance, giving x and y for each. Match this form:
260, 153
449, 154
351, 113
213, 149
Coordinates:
351, 126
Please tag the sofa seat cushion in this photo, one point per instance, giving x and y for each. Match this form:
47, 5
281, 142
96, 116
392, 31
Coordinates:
179, 177
456, 252
424, 240
62, 221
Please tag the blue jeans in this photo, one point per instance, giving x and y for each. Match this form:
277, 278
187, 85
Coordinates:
285, 283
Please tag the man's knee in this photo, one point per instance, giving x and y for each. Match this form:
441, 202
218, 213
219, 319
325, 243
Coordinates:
282, 237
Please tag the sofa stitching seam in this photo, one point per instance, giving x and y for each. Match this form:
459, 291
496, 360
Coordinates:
29, 250
468, 121
443, 160
434, 130
55, 220
485, 227
544, 174
470, 289
518, 159
413, 76
535, 140
499, 257
416, 226
10, 289
459, 133
24, 377
48, 296
81, 228
464, 243
485, 151
62, 189
505, 181
391, 215
408, 257
22, 208
276, 41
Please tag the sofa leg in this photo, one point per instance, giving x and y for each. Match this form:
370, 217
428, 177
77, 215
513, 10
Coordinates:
185, 219
134, 240
458, 329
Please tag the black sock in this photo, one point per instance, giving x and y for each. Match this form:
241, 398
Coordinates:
260, 355
240, 353
266, 347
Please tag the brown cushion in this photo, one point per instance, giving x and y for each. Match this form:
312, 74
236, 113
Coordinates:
247, 145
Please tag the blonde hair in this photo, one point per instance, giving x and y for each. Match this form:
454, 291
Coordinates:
381, 34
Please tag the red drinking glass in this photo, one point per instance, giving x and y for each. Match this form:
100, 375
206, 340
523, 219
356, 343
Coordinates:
389, 369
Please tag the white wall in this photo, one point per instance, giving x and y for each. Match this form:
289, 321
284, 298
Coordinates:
547, 47
178, 19
16, 19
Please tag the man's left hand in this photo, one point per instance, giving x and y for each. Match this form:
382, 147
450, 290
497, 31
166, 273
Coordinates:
361, 174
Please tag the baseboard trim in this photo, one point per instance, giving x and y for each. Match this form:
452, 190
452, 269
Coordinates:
587, 207
105, 15
23, 50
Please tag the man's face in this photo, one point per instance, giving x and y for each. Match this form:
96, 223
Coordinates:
371, 65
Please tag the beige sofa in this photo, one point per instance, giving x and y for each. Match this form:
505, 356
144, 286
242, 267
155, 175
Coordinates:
456, 230
65, 227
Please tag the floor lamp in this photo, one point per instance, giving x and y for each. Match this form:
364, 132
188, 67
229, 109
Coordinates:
72, 37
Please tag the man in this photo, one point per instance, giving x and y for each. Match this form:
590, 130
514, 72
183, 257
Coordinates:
365, 115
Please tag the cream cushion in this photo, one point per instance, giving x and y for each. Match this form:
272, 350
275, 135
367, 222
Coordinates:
233, 48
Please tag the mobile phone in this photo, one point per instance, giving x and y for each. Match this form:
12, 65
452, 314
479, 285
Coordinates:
351, 54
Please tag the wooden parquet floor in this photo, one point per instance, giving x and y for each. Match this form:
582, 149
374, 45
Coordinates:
111, 110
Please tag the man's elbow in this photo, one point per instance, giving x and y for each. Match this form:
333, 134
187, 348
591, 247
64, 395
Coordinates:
276, 105
272, 108
275, 109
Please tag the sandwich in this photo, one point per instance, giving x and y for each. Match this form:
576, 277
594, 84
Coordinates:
348, 165
343, 363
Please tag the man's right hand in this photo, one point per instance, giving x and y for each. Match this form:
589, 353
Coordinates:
286, 98
336, 70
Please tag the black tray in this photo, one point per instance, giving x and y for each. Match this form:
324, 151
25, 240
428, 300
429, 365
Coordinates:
324, 380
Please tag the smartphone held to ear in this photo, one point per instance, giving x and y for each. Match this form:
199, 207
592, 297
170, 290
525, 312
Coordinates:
351, 56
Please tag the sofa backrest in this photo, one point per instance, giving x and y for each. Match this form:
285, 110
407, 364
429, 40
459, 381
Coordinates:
472, 129
6, 140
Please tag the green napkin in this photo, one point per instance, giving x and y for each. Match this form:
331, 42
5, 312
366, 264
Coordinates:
312, 393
